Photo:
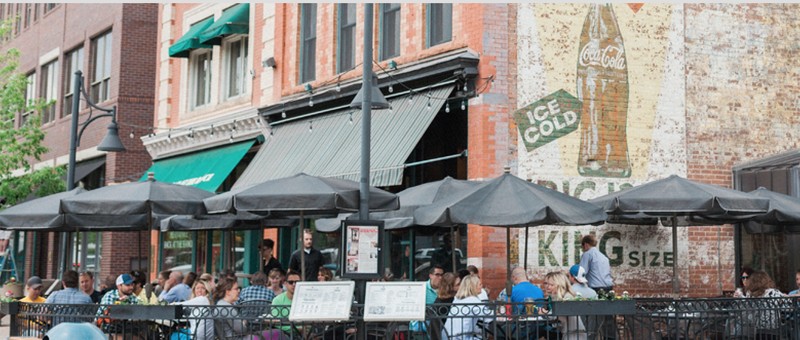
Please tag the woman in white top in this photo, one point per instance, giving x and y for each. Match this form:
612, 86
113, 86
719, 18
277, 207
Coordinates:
201, 324
466, 311
557, 287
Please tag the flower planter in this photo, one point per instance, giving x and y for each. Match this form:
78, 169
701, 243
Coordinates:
16, 290
9, 308
594, 307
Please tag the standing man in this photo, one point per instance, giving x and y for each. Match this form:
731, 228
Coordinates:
434, 280
270, 262
86, 283
444, 255
313, 258
577, 276
598, 269
174, 289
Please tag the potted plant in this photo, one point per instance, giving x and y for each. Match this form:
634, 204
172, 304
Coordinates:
606, 303
12, 288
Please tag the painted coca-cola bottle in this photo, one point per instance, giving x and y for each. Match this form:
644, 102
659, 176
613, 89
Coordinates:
603, 89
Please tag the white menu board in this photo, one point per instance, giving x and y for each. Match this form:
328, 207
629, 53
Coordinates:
322, 301
394, 301
362, 249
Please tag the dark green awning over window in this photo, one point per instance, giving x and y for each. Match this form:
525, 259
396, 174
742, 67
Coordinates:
204, 169
234, 20
190, 40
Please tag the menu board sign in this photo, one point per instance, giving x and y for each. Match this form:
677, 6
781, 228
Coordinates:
322, 301
394, 301
361, 248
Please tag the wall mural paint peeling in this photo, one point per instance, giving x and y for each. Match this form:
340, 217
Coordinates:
602, 102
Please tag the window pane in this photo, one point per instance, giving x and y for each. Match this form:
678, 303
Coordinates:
347, 36
177, 251
49, 90
440, 23
201, 72
101, 75
390, 31
237, 67
308, 22
73, 61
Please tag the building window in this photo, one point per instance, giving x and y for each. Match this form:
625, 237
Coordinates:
28, 16
49, 7
18, 20
30, 99
390, 31
35, 12
308, 49
236, 66
439, 23
101, 72
347, 36
49, 89
73, 61
200, 73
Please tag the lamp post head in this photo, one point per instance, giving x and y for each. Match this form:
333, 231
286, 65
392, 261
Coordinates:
378, 100
111, 141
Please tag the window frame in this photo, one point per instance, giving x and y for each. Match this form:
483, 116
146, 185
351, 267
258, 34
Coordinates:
100, 84
194, 59
345, 55
385, 36
243, 69
48, 90
69, 78
308, 36
447, 31
30, 97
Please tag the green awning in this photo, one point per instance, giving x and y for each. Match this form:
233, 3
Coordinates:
191, 40
234, 20
204, 169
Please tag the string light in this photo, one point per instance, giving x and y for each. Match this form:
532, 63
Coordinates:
283, 111
463, 105
132, 135
428, 107
311, 101
350, 120
230, 138
410, 96
191, 133
465, 85
310, 126
391, 88
447, 107
169, 136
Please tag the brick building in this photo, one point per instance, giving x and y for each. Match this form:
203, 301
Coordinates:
103, 41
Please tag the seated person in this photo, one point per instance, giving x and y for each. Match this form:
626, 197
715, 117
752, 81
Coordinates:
462, 321
558, 288
257, 291
282, 304
523, 289
33, 291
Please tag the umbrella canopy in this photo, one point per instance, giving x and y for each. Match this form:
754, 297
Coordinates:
37, 214
132, 206
783, 214
300, 195
410, 200
221, 222
509, 201
677, 197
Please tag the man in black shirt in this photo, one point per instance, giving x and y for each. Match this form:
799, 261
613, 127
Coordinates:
267, 259
86, 282
313, 258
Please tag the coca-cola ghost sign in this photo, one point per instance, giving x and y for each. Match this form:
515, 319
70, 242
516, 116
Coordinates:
548, 119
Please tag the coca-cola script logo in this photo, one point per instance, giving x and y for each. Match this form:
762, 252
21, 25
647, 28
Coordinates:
610, 57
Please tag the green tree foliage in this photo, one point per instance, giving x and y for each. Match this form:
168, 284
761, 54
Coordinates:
21, 146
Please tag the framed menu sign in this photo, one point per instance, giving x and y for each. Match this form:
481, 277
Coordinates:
395, 301
322, 301
361, 248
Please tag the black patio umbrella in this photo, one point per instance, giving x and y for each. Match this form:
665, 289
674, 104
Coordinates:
135, 206
783, 214
509, 201
410, 200
684, 202
40, 214
300, 196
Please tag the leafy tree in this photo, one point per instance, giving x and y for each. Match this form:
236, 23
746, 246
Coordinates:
21, 143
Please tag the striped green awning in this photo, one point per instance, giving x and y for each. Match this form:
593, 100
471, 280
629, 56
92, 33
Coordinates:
332, 147
191, 40
234, 20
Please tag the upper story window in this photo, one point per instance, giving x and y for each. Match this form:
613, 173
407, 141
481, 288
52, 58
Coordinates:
49, 89
49, 7
236, 70
390, 31
439, 23
101, 68
30, 98
35, 12
308, 38
28, 17
200, 77
73, 61
347, 35
18, 20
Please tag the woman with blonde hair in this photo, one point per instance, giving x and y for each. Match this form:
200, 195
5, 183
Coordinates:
466, 311
201, 325
558, 288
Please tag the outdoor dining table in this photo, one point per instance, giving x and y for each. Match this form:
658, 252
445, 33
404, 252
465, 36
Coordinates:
691, 325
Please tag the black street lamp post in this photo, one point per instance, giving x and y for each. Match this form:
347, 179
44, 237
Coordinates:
110, 143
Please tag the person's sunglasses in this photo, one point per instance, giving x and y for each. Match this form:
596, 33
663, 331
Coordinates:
438, 274
745, 277
291, 282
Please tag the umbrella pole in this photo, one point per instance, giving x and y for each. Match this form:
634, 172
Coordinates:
675, 283
508, 262
453, 247
302, 248
526, 248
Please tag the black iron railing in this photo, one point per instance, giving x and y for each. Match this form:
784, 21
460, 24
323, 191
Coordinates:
753, 318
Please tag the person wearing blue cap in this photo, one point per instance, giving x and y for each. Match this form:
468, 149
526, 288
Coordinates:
577, 276
123, 293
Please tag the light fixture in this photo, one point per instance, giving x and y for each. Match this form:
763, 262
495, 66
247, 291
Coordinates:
465, 85
410, 96
447, 107
191, 133
212, 130
132, 135
392, 65
463, 105
283, 111
169, 136
310, 126
350, 119
311, 101
378, 101
391, 88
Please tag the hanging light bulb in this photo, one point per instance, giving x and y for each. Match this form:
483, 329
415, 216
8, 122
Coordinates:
428, 107
310, 127
169, 136
447, 107
230, 138
310, 101
410, 97
391, 88
338, 87
465, 86
350, 120
132, 135
283, 112
191, 133
463, 105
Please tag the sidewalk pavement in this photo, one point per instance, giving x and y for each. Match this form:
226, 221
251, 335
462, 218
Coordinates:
4, 322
